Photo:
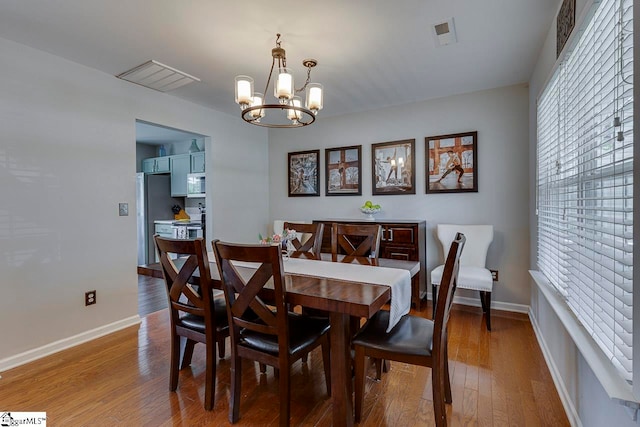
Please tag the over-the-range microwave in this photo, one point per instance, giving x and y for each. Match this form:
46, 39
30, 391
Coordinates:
195, 185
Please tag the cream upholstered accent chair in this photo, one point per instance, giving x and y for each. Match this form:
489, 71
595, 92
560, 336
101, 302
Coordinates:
473, 272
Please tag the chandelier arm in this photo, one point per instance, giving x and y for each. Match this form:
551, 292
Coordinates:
306, 82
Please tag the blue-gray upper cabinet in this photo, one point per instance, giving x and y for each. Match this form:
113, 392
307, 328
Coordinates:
197, 162
156, 165
180, 167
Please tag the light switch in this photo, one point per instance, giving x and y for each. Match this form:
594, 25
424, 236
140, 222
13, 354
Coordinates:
123, 209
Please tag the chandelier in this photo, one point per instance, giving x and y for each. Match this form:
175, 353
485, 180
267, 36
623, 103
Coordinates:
288, 112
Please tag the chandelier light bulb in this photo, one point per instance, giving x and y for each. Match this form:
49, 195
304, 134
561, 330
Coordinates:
314, 97
284, 86
244, 91
295, 115
257, 101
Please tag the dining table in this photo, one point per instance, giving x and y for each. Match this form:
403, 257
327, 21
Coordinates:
319, 285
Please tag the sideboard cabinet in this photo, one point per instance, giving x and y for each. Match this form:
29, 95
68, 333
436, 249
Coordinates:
401, 239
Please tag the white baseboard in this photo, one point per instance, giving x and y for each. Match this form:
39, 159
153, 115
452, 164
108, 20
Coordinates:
65, 343
569, 408
495, 305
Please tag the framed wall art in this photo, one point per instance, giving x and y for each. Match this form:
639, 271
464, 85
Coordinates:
392, 166
452, 163
304, 178
343, 172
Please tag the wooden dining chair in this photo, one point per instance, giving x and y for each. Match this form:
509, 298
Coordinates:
357, 242
194, 312
312, 236
266, 333
414, 340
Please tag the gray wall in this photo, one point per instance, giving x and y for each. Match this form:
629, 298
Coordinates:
67, 158
501, 118
584, 397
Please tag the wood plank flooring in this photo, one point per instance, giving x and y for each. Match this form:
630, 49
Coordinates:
499, 378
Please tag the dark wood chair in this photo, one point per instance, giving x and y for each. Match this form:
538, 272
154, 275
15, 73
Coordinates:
194, 312
266, 333
358, 242
414, 340
310, 248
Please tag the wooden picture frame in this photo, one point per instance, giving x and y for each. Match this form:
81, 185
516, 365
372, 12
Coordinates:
452, 163
343, 171
304, 176
392, 166
565, 22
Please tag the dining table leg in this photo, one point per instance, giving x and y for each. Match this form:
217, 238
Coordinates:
341, 388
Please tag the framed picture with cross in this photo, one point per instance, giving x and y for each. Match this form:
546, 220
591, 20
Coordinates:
343, 171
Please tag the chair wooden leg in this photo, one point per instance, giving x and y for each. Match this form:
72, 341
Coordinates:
437, 382
175, 362
236, 380
284, 392
326, 361
434, 299
488, 312
210, 382
221, 346
447, 378
263, 368
379, 363
359, 381
483, 302
305, 358
188, 353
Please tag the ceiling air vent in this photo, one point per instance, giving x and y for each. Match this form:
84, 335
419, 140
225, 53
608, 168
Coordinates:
445, 33
157, 76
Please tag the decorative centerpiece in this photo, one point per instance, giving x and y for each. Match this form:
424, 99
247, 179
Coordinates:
370, 209
282, 239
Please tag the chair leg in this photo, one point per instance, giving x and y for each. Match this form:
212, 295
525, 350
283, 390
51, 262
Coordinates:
175, 362
210, 382
437, 383
221, 346
379, 363
305, 358
188, 353
483, 303
284, 390
434, 299
359, 381
263, 368
447, 378
326, 361
236, 380
488, 311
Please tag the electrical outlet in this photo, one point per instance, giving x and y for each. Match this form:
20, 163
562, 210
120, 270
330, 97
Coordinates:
123, 209
494, 275
90, 298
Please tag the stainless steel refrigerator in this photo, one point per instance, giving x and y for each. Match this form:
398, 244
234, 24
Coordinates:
153, 202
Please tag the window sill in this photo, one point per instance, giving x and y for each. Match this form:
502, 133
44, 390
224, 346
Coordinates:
614, 385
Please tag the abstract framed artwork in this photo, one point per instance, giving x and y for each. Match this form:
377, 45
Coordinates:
343, 171
392, 166
452, 163
304, 177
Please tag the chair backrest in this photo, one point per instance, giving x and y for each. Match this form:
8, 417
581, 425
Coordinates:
244, 295
311, 247
478, 239
358, 242
447, 288
178, 274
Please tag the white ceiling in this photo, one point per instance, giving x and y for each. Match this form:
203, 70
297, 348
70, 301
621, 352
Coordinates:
371, 53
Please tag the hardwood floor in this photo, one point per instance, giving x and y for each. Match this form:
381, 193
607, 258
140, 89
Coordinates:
498, 379
152, 295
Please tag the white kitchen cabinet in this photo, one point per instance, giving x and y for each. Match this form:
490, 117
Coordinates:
197, 162
157, 165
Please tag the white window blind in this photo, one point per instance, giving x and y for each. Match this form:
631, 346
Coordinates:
585, 179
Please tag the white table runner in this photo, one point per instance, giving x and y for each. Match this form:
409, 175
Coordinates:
399, 280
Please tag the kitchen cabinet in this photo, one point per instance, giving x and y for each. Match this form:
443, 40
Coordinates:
401, 239
180, 168
197, 162
157, 165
